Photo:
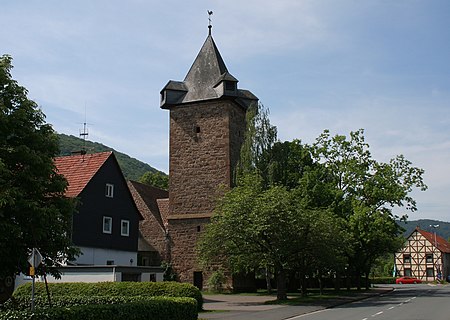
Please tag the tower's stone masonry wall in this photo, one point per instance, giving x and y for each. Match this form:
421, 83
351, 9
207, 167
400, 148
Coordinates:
237, 132
207, 127
205, 139
184, 234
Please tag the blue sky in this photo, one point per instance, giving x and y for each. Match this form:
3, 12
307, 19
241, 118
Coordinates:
316, 64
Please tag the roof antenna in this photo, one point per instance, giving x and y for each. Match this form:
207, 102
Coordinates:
84, 134
209, 20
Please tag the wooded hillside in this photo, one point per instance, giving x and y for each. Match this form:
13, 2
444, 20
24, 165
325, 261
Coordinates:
443, 230
132, 168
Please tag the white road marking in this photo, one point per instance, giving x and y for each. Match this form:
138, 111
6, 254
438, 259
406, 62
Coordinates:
307, 314
376, 314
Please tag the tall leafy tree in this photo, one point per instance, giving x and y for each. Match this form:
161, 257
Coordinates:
286, 163
259, 138
253, 227
365, 191
291, 165
33, 209
265, 221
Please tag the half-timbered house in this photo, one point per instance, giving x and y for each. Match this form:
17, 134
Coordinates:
425, 256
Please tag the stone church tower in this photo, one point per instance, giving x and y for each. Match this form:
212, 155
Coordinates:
207, 124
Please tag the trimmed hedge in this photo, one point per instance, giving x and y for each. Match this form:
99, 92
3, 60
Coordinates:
151, 308
382, 280
113, 289
40, 302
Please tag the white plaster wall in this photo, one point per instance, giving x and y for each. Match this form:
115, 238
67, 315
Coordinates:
98, 256
87, 276
83, 277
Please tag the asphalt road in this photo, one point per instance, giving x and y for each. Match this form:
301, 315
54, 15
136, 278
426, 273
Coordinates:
406, 302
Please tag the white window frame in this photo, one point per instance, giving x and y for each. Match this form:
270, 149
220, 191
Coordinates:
127, 231
109, 191
105, 224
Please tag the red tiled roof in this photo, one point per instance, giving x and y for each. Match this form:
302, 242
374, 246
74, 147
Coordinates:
79, 169
436, 240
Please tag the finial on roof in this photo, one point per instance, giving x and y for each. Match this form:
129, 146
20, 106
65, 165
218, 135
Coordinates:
209, 20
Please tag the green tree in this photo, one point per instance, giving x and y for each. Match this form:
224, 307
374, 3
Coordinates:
156, 179
286, 163
252, 227
33, 209
384, 266
290, 164
260, 135
255, 227
216, 281
365, 191
267, 221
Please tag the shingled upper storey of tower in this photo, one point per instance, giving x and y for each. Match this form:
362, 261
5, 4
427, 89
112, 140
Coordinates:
208, 79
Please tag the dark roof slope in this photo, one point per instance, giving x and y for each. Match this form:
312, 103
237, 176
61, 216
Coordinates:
149, 196
205, 74
163, 205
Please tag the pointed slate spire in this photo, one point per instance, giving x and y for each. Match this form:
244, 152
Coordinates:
205, 72
208, 78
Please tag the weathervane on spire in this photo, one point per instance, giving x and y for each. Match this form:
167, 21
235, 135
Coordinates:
209, 20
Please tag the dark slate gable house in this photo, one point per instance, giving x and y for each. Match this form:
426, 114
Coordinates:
106, 225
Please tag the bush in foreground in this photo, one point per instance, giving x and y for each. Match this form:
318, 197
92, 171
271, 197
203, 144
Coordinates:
152, 308
112, 289
382, 280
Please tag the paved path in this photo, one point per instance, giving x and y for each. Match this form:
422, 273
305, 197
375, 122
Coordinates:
240, 307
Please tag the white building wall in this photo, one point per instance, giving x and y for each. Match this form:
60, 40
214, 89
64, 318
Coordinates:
99, 256
82, 277
97, 274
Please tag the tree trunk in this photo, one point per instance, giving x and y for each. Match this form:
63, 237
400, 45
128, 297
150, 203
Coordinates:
319, 276
304, 286
358, 279
367, 282
337, 283
46, 288
281, 284
269, 286
348, 279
